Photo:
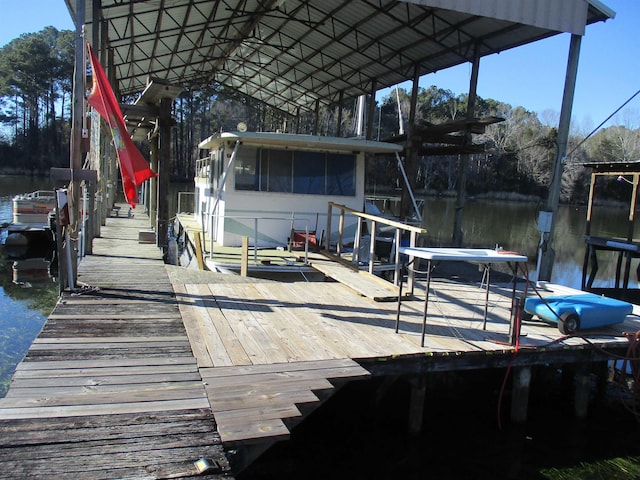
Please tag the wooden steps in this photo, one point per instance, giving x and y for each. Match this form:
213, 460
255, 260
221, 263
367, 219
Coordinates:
360, 281
258, 402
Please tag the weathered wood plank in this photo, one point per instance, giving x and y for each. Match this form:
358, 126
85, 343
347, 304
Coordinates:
108, 409
190, 319
232, 344
264, 386
213, 340
266, 337
272, 429
242, 401
250, 415
208, 373
82, 371
40, 384
300, 377
101, 393
107, 363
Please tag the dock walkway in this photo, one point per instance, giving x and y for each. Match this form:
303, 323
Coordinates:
110, 388
163, 365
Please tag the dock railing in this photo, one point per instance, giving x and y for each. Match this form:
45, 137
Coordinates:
399, 229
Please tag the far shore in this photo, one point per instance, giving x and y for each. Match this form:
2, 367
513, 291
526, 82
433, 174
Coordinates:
499, 196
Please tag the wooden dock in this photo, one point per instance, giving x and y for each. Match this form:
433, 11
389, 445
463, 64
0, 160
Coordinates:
110, 388
162, 366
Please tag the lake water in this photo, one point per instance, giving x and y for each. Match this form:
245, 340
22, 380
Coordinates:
24, 306
461, 439
26, 297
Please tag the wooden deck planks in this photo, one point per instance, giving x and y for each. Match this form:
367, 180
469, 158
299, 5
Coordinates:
119, 442
322, 321
111, 388
176, 370
256, 401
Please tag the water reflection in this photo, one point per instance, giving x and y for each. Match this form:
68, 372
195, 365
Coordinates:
28, 291
513, 226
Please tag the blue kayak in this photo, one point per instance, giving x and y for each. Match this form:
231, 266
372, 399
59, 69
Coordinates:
578, 312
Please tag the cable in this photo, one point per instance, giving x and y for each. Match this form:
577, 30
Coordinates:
605, 121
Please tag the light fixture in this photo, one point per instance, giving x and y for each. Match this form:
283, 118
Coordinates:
206, 465
622, 179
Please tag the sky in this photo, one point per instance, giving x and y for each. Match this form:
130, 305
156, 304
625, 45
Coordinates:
531, 76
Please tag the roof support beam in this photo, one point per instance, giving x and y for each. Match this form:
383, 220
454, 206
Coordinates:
458, 234
411, 155
372, 108
547, 252
316, 117
340, 108
79, 75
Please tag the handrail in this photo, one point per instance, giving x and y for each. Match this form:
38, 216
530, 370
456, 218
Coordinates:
375, 218
399, 227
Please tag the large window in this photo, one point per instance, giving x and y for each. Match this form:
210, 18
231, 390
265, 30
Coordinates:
246, 169
311, 173
276, 172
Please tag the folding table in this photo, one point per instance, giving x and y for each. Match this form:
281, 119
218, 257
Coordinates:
482, 256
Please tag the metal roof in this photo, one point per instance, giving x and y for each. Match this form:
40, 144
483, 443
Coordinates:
296, 54
302, 142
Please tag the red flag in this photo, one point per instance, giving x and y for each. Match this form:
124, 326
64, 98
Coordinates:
133, 167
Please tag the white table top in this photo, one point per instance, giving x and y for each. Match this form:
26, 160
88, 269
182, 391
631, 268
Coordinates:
484, 255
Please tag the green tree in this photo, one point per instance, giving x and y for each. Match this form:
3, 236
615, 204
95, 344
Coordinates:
35, 72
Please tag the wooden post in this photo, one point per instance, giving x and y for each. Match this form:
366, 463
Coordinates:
198, 247
77, 115
520, 394
328, 231
416, 405
244, 259
372, 245
164, 120
153, 184
582, 389
356, 244
340, 231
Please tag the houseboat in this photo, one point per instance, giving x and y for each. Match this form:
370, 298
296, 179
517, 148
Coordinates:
274, 188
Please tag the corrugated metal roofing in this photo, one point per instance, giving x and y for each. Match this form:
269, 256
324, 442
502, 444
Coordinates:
292, 54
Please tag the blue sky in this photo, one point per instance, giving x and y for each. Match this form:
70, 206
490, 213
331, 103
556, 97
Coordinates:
531, 76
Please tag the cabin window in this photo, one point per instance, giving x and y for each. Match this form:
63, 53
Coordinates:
276, 171
310, 173
341, 174
246, 166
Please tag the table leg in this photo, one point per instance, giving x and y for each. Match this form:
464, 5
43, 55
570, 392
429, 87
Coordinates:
514, 329
487, 270
426, 303
399, 303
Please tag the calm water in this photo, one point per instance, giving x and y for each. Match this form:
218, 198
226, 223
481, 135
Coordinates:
26, 298
461, 438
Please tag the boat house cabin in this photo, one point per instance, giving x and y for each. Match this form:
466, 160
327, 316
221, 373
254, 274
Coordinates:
267, 185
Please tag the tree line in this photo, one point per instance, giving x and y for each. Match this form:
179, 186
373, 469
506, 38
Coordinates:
518, 154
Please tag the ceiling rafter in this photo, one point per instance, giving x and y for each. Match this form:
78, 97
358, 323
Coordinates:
296, 54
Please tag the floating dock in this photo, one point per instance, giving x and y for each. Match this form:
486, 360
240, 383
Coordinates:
157, 366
